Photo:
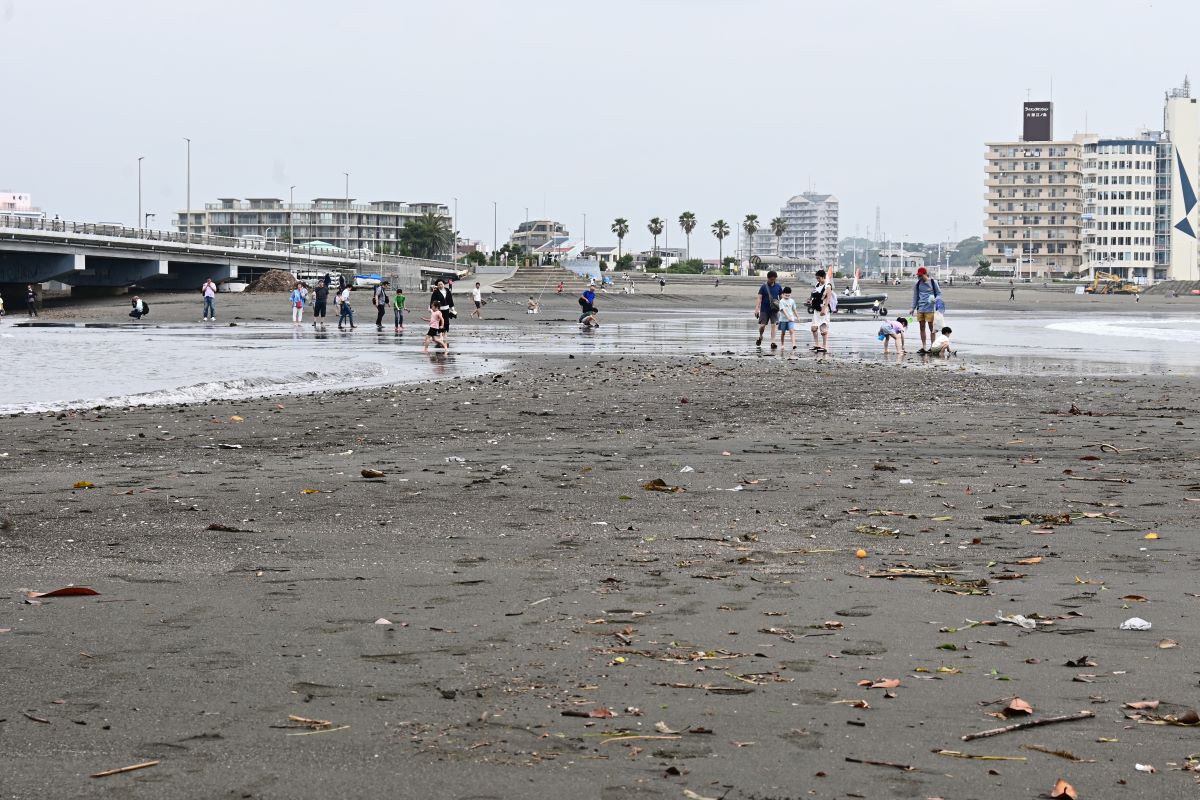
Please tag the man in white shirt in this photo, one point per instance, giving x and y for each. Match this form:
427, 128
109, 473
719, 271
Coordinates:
477, 297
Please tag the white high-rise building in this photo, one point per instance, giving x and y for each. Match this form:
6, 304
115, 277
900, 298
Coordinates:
1177, 220
1119, 206
812, 229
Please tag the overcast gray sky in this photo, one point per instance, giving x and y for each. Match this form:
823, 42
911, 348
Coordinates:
629, 108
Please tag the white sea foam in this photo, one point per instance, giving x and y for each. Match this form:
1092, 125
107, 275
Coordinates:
363, 374
1173, 330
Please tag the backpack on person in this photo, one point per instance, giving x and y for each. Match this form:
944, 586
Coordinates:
145, 308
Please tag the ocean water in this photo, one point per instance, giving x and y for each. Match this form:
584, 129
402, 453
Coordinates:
78, 367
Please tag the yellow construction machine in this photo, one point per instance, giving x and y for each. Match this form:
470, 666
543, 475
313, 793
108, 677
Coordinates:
1107, 283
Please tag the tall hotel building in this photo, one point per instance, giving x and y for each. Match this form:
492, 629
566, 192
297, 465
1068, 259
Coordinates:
1122, 205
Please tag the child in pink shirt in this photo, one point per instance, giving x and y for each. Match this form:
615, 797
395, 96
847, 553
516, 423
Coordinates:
436, 333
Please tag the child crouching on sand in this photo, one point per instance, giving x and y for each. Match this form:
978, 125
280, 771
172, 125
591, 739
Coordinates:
891, 331
436, 332
941, 344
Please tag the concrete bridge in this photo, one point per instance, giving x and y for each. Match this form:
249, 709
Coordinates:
92, 255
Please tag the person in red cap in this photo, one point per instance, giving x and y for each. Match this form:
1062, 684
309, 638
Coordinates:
925, 296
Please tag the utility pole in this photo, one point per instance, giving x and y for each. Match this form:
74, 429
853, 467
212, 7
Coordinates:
495, 255
347, 174
138, 221
454, 233
189, 184
291, 224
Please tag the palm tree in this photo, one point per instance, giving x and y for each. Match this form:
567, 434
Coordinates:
426, 236
720, 229
687, 221
750, 226
778, 227
656, 228
620, 227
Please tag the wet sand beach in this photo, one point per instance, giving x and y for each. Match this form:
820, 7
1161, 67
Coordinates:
509, 612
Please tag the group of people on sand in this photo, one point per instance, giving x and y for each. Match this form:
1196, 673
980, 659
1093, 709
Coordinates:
775, 308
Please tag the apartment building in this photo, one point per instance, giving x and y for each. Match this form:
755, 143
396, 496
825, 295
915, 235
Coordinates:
811, 236
534, 233
1119, 206
812, 229
340, 222
1033, 225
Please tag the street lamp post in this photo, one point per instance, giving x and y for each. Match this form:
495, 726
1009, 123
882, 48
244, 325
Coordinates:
495, 239
139, 216
291, 223
188, 212
347, 174
149, 216
454, 233
585, 229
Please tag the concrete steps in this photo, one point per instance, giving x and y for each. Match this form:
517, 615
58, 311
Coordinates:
1166, 287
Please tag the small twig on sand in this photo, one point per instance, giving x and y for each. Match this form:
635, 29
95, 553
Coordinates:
905, 767
1112, 448
628, 738
1033, 723
1098, 480
130, 768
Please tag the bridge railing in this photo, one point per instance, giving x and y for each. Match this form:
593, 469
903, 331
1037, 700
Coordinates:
274, 247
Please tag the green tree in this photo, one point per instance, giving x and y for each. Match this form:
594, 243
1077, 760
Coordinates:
968, 251
656, 228
475, 257
730, 264
687, 221
653, 264
620, 227
720, 229
427, 236
750, 226
625, 262
779, 227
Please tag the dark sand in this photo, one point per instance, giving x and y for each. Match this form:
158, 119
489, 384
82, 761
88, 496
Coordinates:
536, 580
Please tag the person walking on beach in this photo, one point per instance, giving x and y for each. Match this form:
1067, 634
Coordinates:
477, 299
1, 307
381, 301
320, 297
820, 302
30, 301
297, 301
436, 333
662, 284
766, 307
925, 295
347, 314
443, 295
1012, 295
209, 290
398, 309
789, 317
